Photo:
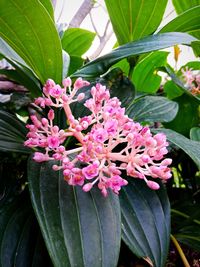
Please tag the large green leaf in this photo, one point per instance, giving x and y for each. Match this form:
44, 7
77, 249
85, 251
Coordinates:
33, 35
77, 41
146, 221
153, 109
147, 44
187, 22
133, 19
19, 233
12, 133
80, 229
190, 147
184, 5
187, 117
144, 76
49, 7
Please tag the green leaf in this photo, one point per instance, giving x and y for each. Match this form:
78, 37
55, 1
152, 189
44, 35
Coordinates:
24, 77
184, 5
33, 35
195, 134
187, 22
146, 221
77, 41
48, 5
172, 90
75, 63
187, 116
144, 76
134, 19
12, 133
152, 109
147, 44
190, 147
79, 228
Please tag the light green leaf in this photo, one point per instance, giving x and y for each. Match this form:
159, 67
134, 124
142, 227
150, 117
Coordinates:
195, 134
147, 44
172, 90
32, 34
186, 22
144, 77
146, 221
77, 41
190, 147
48, 5
184, 5
134, 19
74, 223
152, 109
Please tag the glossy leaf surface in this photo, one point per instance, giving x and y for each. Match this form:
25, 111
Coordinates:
135, 19
190, 147
33, 37
12, 134
184, 5
147, 44
187, 22
153, 109
195, 134
144, 76
74, 222
146, 221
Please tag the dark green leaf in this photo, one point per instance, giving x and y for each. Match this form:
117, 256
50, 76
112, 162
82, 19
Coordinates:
77, 41
147, 44
187, 22
184, 5
75, 63
187, 116
12, 133
190, 147
74, 223
144, 77
134, 19
146, 221
153, 109
33, 35
195, 134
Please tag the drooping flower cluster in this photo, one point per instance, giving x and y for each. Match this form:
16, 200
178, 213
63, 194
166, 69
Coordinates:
192, 80
112, 143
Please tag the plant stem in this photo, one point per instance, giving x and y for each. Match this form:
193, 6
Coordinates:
180, 251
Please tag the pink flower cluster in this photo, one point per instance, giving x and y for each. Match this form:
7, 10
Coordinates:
192, 80
110, 143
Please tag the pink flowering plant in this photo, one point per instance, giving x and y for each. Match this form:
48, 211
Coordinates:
93, 152
108, 141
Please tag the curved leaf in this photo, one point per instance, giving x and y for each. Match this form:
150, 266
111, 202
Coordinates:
33, 35
12, 133
195, 134
144, 77
147, 44
190, 147
146, 221
187, 22
79, 228
48, 5
77, 41
184, 5
134, 19
153, 109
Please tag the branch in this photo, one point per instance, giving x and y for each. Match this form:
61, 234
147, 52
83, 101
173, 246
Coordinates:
82, 12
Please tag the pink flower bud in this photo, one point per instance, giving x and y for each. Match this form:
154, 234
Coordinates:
67, 82
87, 187
153, 185
51, 115
81, 96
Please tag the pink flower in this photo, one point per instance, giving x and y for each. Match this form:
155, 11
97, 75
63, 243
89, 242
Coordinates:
90, 171
40, 157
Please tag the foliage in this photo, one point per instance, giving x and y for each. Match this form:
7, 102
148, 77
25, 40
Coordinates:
85, 229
